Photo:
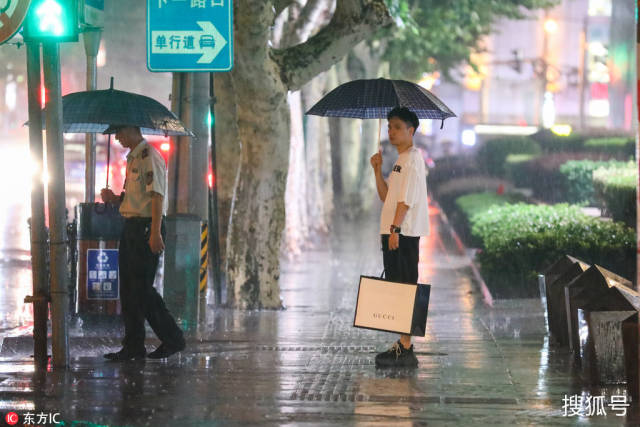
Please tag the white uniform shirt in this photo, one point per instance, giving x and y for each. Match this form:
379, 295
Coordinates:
146, 173
408, 184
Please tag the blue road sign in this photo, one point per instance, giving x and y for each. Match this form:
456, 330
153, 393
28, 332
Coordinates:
189, 35
102, 274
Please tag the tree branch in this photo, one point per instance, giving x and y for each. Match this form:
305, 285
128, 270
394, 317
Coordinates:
309, 17
280, 5
352, 22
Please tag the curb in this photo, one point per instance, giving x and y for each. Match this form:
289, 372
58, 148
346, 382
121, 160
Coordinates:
487, 298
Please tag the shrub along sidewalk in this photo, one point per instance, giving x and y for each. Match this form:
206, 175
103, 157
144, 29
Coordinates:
578, 176
518, 241
615, 187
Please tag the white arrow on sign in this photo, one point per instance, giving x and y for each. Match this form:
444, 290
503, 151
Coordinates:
208, 42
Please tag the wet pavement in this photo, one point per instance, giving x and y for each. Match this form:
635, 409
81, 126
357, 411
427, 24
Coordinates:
307, 365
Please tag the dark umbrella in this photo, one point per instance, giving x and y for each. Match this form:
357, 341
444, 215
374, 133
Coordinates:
97, 111
373, 99
94, 111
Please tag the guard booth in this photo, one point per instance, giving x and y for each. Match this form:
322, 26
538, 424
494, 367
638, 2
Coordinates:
98, 280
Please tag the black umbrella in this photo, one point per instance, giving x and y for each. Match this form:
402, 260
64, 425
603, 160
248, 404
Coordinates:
373, 99
94, 111
97, 111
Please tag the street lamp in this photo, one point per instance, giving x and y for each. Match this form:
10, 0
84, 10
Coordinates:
550, 26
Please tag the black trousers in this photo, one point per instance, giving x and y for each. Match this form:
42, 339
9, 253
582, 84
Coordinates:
138, 297
401, 265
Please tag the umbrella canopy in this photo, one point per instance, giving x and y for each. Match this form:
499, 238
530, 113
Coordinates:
94, 111
373, 99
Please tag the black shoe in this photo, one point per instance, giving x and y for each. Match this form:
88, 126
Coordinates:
397, 356
164, 351
124, 355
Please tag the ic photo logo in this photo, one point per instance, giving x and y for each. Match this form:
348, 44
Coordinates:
11, 418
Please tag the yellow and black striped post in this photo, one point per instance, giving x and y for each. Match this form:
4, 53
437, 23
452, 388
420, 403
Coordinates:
204, 258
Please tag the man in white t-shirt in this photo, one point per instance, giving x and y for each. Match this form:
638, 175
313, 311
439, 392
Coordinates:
404, 218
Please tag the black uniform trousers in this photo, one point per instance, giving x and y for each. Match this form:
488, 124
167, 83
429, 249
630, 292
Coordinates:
401, 265
138, 297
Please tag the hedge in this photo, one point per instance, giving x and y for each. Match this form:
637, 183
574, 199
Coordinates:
514, 169
473, 204
521, 240
578, 177
542, 174
492, 155
615, 145
615, 187
551, 143
448, 192
602, 141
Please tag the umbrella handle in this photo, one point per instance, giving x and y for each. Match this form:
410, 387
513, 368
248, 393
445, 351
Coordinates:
379, 131
108, 158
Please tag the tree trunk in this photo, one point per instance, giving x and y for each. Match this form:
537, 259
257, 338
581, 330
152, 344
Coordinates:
261, 79
227, 152
318, 160
297, 219
258, 214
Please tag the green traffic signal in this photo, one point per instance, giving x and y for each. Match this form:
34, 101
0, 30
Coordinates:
55, 20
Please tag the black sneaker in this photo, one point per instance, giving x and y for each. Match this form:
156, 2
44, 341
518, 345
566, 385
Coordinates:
397, 356
164, 351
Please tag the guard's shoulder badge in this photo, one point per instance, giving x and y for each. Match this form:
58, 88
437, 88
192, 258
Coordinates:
145, 153
149, 177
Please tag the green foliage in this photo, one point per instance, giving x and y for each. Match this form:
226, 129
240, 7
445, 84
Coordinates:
469, 205
608, 145
514, 169
615, 145
615, 187
542, 174
521, 240
476, 203
438, 35
552, 143
578, 176
493, 153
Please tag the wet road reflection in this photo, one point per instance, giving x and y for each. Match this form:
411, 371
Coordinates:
308, 364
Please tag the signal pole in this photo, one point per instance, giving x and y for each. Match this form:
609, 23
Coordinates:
57, 217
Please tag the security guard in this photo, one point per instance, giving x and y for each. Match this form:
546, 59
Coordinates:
143, 204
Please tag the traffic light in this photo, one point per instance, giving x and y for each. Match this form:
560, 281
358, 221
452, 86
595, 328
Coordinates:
51, 20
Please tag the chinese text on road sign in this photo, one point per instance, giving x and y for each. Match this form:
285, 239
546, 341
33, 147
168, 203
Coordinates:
189, 35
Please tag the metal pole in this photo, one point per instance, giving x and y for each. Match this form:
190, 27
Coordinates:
214, 239
583, 71
38, 232
173, 163
184, 200
91, 40
57, 217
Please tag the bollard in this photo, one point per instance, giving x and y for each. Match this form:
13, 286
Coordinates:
543, 299
557, 277
182, 269
599, 290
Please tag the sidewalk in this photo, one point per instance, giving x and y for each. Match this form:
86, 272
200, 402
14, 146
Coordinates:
308, 365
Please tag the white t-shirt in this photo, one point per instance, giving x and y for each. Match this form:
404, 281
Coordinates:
408, 184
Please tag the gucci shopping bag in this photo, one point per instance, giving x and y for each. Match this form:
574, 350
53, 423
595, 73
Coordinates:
389, 306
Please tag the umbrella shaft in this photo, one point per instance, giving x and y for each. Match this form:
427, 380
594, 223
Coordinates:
108, 158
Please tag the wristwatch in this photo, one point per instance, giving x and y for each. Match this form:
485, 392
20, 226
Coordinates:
394, 229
